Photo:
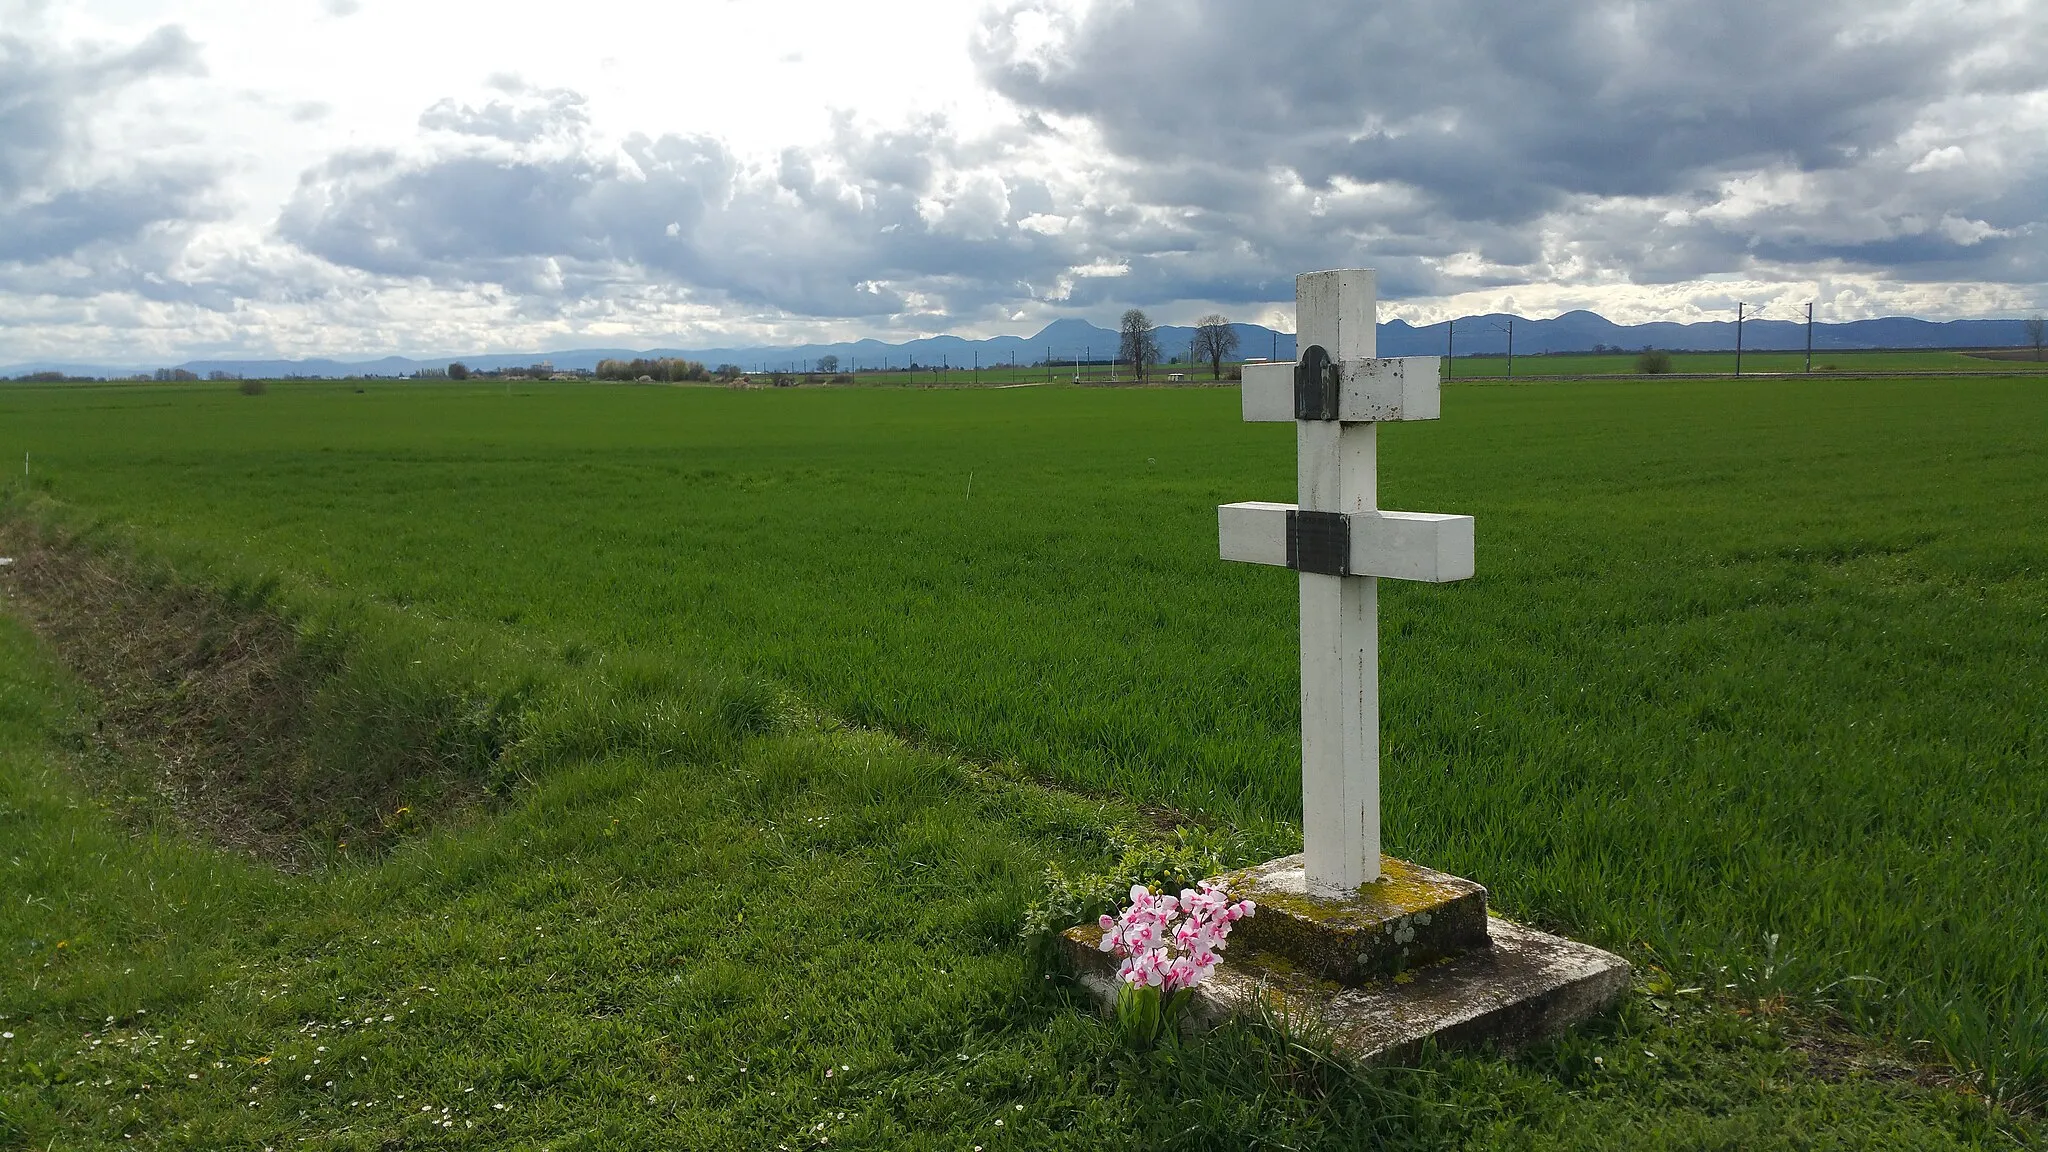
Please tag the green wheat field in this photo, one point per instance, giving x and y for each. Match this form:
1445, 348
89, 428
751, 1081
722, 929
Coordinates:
674, 767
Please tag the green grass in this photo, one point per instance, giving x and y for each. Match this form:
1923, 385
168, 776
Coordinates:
805, 942
999, 375
1745, 685
1825, 361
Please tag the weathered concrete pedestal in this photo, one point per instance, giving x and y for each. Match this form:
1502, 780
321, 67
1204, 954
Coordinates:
1413, 956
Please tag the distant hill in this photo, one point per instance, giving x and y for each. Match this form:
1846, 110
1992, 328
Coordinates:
1067, 340
1588, 331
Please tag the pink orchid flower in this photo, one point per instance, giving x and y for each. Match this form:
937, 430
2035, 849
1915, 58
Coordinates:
1171, 942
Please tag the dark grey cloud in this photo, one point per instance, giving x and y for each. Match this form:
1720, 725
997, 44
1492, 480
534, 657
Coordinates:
44, 96
66, 221
1315, 131
530, 116
871, 224
1498, 109
1169, 155
896, 158
47, 97
1461, 145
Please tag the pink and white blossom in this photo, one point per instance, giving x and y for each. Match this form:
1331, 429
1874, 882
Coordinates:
1171, 942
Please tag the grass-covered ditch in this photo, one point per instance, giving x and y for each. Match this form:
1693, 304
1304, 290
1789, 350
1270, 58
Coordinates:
305, 728
662, 696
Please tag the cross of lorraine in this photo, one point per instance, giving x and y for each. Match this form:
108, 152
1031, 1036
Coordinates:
1342, 543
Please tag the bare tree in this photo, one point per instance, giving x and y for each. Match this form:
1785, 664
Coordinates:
2035, 327
1215, 341
1138, 344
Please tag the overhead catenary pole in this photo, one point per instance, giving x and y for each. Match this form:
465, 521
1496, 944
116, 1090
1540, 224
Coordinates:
1809, 337
1450, 342
1738, 336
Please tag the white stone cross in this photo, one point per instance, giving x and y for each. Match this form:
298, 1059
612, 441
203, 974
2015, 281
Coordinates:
1341, 543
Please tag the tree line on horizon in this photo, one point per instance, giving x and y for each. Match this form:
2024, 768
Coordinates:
667, 370
1215, 341
1138, 342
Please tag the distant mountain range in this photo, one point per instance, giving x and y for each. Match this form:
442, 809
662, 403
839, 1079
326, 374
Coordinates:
1067, 340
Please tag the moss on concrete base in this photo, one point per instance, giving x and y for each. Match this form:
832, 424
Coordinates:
1411, 916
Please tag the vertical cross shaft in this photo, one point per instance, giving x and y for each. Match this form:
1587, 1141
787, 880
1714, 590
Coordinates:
1337, 468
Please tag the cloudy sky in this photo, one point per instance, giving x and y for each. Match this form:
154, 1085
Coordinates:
184, 178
